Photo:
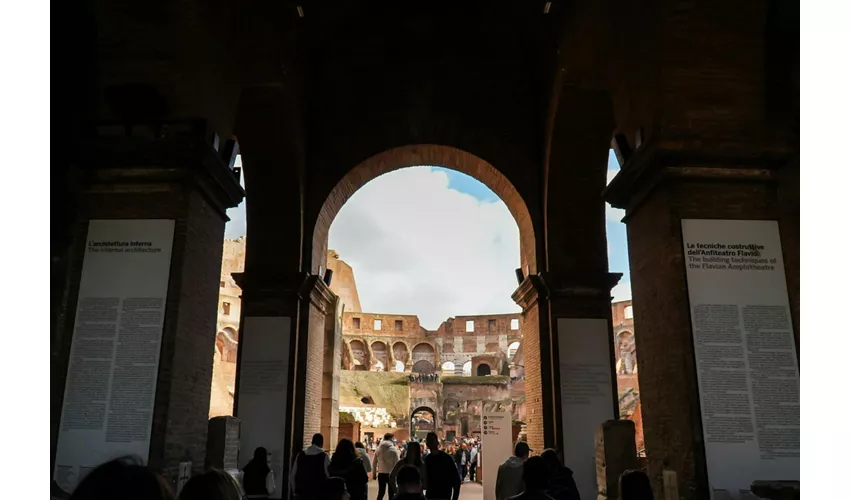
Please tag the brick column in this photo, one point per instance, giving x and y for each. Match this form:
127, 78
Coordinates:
175, 176
268, 333
330, 371
316, 307
539, 382
580, 311
658, 189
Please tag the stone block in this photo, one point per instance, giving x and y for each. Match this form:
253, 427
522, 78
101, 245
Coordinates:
615, 453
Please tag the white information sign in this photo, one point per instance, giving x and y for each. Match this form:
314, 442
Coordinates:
746, 359
496, 447
263, 381
107, 410
587, 397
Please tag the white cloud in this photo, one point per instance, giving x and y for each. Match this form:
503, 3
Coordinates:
236, 226
621, 292
611, 213
418, 247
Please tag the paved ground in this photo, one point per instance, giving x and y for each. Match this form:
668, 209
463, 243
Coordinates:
469, 491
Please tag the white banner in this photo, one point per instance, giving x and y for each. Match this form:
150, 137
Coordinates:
263, 381
745, 354
107, 410
496, 447
587, 397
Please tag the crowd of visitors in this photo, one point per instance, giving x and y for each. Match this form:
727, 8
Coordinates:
403, 470
424, 377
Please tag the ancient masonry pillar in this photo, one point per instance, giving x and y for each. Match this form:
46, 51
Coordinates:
330, 373
584, 388
540, 412
317, 309
663, 193
139, 199
266, 374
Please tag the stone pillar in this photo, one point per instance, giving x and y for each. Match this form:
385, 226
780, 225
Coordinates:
176, 176
267, 368
582, 355
658, 187
615, 453
539, 398
330, 373
316, 308
223, 443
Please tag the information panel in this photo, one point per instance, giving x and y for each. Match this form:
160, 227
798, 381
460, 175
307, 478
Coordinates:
496, 447
745, 354
107, 410
263, 376
587, 394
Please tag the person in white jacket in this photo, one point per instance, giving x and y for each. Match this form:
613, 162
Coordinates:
386, 456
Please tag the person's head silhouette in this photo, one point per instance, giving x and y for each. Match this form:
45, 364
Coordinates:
211, 485
124, 478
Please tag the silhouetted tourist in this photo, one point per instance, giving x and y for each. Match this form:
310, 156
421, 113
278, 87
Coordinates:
441, 478
457, 455
635, 485
535, 478
473, 462
213, 485
257, 476
125, 478
386, 457
332, 488
346, 464
367, 462
562, 486
309, 469
509, 478
409, 483
413, 457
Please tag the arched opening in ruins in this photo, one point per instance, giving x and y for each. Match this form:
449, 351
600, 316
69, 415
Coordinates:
379, 356
423, 366
467, 369
625, 353
512, 349
422, 421
399, 342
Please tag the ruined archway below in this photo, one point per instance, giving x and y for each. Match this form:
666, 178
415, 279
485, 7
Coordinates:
425, 155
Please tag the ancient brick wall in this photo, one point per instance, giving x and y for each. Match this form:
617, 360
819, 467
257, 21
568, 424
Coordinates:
533, 380
314, 368
343, 284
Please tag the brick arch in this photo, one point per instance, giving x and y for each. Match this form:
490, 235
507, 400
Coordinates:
407, 351
418, 155
375, 358
367, 355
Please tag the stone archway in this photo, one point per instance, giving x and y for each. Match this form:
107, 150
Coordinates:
424, 351
321, 216
413, 419
359, 354
483, 370
380, 356
423, 366
401, 352
426, 154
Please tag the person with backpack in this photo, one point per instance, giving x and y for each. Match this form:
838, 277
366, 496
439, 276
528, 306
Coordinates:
309, 469
386, 457
257, 477
349, 466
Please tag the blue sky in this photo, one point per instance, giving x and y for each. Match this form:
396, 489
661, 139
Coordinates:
436, 243
618, 251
